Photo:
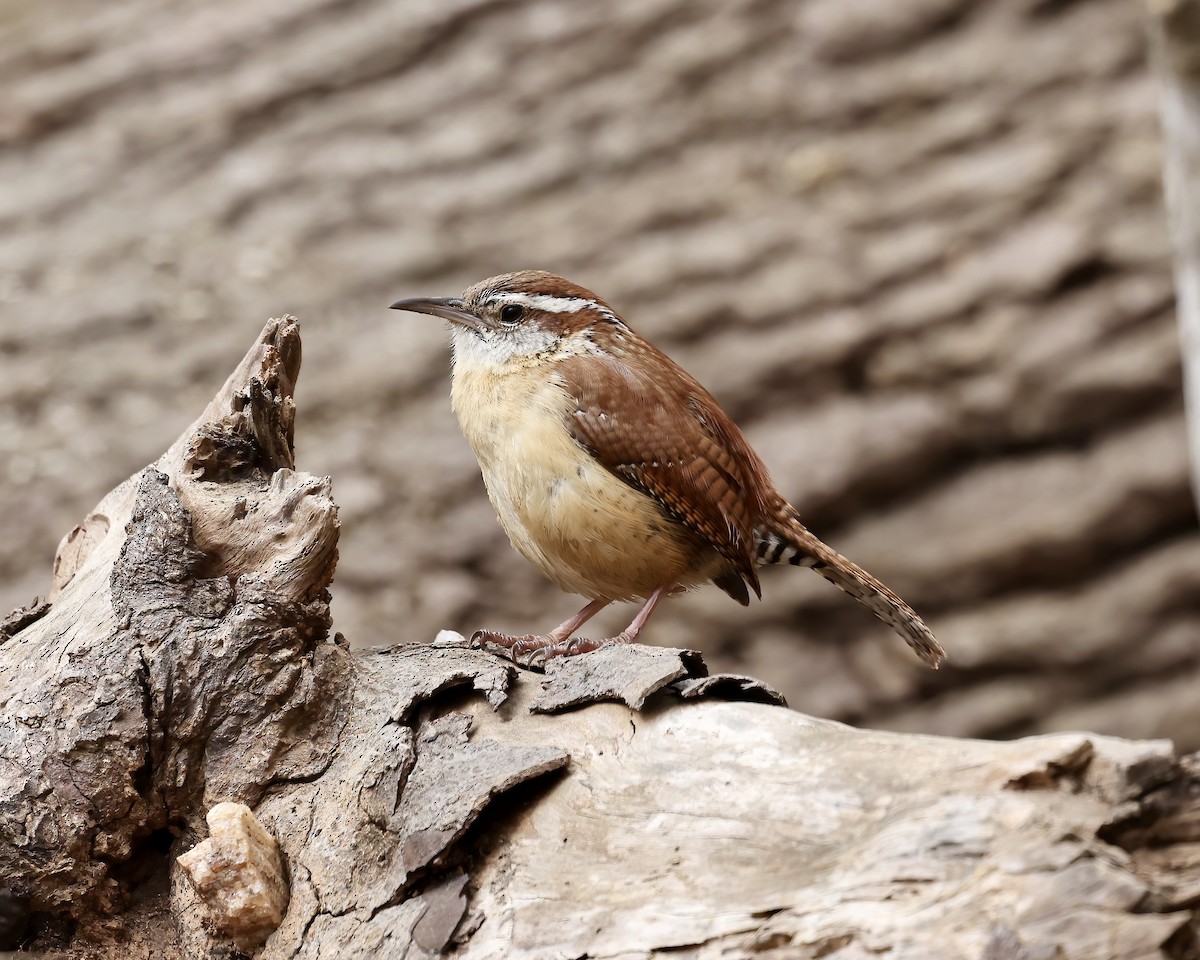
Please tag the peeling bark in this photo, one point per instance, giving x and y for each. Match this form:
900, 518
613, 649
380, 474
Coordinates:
436, 799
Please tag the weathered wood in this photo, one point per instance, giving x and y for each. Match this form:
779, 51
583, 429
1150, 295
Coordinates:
436, 799
163, 673
916, 247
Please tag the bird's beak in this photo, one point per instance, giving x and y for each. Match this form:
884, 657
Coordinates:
448, 308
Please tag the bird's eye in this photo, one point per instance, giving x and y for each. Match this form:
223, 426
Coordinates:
511, 313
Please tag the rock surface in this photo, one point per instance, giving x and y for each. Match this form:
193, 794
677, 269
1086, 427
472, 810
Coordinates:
239, 875
918, 252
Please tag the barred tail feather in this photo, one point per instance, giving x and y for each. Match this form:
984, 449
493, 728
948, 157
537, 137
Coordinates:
787, 540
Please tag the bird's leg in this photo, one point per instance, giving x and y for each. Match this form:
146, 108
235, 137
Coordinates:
530, 643
544, 648
630, 633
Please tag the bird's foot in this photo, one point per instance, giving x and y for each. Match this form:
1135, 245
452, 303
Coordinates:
532, 650
515, 647
507, 641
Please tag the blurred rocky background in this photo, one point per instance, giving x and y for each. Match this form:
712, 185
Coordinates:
917, 249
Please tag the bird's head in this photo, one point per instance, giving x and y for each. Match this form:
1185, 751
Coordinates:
517, 318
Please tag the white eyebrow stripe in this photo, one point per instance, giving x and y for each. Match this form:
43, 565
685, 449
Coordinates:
552, 304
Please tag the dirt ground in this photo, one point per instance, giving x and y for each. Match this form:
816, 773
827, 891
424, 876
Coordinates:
917, 250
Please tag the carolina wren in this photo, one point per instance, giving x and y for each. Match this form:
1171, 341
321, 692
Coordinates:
612, 470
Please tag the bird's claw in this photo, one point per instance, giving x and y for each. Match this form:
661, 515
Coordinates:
536, 660
533, 652
521, 650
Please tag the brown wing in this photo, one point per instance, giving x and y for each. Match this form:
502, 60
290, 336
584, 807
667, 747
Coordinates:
653, 425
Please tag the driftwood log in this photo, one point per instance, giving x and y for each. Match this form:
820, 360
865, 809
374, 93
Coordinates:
426, 799
923, 237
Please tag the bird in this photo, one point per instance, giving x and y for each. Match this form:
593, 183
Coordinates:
613, 470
